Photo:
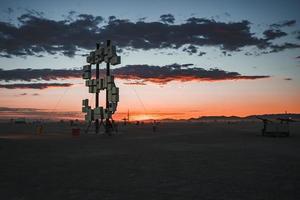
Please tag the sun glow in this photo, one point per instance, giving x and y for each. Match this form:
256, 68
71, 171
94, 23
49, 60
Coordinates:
143, 117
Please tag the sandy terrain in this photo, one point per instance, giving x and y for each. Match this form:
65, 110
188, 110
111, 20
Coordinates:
179, 161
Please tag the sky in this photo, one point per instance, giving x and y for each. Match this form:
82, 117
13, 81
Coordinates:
179, 59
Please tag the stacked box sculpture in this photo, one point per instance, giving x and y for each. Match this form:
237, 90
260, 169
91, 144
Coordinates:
108, 55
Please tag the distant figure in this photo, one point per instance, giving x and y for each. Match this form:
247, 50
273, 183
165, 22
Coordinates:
154, 126
39, 129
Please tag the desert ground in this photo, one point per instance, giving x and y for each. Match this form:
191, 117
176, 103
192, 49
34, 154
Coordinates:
190, 160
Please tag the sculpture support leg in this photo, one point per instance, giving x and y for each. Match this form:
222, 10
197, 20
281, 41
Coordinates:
97, 94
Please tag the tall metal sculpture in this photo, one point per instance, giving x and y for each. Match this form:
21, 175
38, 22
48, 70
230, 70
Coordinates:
107, 54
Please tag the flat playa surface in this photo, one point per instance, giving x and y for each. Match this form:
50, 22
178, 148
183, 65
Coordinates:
179, 161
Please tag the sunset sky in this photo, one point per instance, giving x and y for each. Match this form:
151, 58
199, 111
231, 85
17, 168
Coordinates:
179, 59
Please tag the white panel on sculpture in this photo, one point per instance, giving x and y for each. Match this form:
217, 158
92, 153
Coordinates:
114, 90
98, 113
107, 114
98, 110
86, 75
99, 55
106, 59
101, 85
115, 60
109, 79
87, 68
109, 97
94, 82
99, 60
99, 52
91, 58
93, 89
115, 98
91, 82
86, 109
85, 102
89, 115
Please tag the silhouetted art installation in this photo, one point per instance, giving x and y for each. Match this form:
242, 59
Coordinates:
273, 128
107, 54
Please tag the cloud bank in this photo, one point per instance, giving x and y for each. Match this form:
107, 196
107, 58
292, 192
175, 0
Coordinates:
139, 74
36, 34
39, 86
35, 113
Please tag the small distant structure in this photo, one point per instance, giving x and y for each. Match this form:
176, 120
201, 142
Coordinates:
126, 120
39, 129
20, 121
128, 116
278, 128
154, 126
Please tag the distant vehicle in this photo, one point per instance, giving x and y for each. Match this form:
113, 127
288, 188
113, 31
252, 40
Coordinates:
20, 121
276, 128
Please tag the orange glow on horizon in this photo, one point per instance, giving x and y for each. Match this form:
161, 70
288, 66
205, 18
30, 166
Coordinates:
171, 101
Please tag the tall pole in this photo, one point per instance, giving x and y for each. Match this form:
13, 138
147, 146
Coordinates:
107, 103
97, 93
128, 115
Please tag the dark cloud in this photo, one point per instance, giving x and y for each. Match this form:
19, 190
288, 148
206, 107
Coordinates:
38, 74
142, 18
141, 73
135, 83
9, 11
278, 48
9, 109
34, 12
227, 14
191, 49
25, 94
273, 34
167, 18
34, 85
201, 53
36, 34
298, 34
36, 113
176, 72
286, 23
112, 18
